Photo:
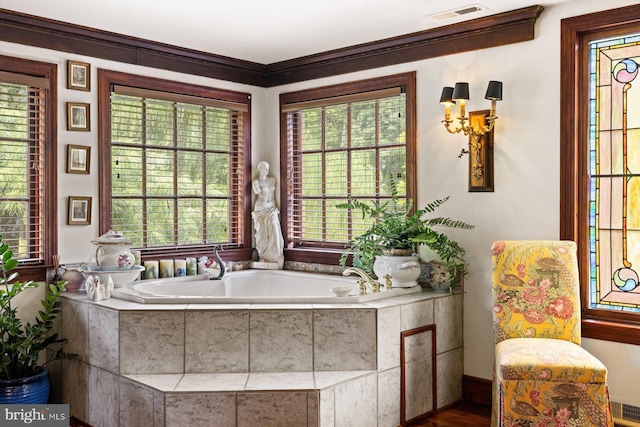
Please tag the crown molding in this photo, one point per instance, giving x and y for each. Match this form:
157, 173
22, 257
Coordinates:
496, 30
491, 31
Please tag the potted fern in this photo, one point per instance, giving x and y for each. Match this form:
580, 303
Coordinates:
390, 245
23, 379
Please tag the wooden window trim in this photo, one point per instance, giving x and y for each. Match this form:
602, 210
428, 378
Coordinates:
49, 235
576, 33
106, 80
331, 255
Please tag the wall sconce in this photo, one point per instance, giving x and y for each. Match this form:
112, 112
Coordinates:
478, 126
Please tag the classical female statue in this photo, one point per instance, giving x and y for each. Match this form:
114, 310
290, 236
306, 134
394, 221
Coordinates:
269, 241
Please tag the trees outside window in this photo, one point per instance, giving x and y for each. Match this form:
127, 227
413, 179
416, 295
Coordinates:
28, 153
174, 164
337, 142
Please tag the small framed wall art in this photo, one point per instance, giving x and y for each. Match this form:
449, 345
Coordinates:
79, 210
78, 158
78, 75
78, 116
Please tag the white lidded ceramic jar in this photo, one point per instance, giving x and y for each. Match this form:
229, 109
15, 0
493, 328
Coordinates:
404, 270
113, 252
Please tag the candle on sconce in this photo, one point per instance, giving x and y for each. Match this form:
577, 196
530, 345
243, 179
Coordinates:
445, 99
150, 270
180, 266
166, 268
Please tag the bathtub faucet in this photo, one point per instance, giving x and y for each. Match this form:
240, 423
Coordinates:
364, 281
216, 256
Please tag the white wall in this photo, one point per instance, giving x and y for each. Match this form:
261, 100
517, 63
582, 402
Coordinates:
525, 204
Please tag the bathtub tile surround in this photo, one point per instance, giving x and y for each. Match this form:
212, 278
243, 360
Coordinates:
350, 411
344, 340
448, 315
280, 340
200, 410
449, 366
74, 326
152, 342
74, 387
105, 410
419, 392
419, 314
256, 364
104, 348
327, 411
388, 343
136, 404
216, 341
418, 346
211, 382
277, 381
388, 397
270, 409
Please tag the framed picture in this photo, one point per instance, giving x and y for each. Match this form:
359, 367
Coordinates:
78, 75
77, 116
79, 210
78, 158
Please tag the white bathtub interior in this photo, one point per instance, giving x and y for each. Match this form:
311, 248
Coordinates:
251, 286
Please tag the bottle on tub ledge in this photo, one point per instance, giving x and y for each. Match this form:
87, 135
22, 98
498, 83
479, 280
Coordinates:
180, 267
192, 266
166, 268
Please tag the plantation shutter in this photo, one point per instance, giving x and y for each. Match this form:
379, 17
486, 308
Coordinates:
340, 147
177, 169
22, 154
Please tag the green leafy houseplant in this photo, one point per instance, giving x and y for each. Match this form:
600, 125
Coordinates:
397, 228
22, 342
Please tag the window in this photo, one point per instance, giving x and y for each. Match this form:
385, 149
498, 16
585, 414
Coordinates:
600, 167
614, 174
342, 141
174, 163
28, 158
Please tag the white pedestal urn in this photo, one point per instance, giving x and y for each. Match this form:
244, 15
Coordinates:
404, 270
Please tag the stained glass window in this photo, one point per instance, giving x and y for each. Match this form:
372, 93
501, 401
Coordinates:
614, 174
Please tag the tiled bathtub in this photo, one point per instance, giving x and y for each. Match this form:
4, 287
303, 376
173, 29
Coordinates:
258, 364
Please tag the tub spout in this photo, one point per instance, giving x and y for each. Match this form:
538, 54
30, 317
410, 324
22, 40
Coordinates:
365, 281
216, 256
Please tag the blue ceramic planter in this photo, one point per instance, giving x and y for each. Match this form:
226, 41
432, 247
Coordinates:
31, 390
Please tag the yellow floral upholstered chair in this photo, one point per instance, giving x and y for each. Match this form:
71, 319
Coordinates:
542, 377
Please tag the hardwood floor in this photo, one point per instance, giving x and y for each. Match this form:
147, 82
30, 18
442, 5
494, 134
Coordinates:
462, 415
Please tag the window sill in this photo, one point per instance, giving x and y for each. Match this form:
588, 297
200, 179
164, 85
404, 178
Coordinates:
37, 273
627, 333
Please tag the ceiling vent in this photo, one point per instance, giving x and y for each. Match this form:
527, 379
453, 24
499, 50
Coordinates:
465, 10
